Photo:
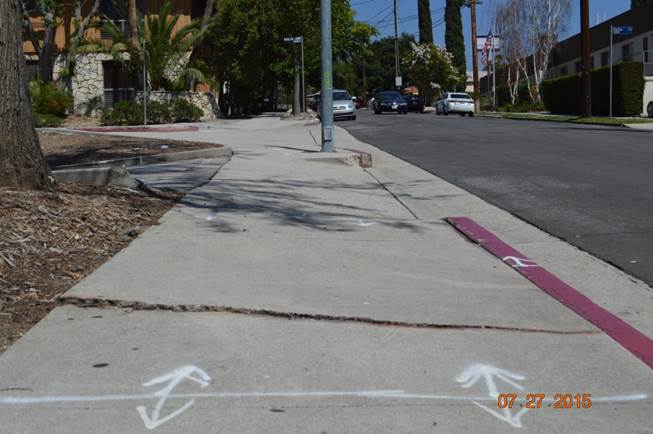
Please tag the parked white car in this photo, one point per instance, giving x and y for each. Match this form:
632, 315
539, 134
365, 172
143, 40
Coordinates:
453, 102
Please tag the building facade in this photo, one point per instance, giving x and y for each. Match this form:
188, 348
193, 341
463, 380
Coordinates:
97, 81
638, 46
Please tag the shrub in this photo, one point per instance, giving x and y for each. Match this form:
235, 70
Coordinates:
563, 95
46, 120
123, 113
49, 98
159, 112
184, 111
131, 113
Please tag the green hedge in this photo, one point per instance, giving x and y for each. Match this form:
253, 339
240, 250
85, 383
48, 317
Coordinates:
131, 113
563, 95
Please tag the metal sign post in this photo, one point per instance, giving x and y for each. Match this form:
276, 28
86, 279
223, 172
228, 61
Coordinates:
299, 40
144, 81
616, 30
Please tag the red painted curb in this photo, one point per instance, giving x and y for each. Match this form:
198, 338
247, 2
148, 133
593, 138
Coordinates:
637, 343
139, 129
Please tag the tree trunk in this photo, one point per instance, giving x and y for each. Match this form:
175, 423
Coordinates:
46, 54
208, 13
21, 161
133, 23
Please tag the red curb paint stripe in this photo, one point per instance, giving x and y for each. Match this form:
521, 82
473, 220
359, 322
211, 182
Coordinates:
637, 343
139, 129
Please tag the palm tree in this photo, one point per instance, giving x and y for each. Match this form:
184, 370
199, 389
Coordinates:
166, 49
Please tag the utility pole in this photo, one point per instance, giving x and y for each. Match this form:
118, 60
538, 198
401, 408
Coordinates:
326, 94
477, 84
398, 82
586, 104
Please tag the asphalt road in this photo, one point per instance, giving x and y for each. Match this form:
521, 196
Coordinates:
591, 186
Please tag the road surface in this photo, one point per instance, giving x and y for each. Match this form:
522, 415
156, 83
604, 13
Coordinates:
589, 185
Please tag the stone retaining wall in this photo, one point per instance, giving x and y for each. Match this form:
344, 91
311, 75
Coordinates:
204, 100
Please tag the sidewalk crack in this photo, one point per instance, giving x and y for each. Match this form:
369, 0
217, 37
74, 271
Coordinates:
101, 303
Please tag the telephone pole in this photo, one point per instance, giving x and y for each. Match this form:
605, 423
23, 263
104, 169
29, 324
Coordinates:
326, 94
586, 104
477, 84
397, 71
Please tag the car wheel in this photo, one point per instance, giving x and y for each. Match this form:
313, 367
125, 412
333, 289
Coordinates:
445, 113
471, 115
353, 118
649, 109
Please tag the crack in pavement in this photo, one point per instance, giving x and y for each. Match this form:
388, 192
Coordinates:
101, 303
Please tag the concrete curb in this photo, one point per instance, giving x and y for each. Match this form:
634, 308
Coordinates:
223, 152
99, 176
114, 172
349, 158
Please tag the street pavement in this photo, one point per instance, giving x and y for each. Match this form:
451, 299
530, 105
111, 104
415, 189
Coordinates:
295, 292
592, 186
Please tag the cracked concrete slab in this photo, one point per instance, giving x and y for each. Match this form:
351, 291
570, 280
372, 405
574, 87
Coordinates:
411, 278
280, 376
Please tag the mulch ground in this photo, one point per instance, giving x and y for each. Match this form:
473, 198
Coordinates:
50, 240
61, 149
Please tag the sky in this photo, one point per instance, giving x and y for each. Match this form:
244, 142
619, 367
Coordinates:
379, 13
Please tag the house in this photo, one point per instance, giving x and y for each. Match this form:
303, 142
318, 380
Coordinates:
565, 58
97, 82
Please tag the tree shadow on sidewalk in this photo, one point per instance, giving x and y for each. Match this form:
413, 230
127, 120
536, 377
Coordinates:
295, 203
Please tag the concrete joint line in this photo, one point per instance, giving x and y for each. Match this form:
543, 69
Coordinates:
101, 303
383, 186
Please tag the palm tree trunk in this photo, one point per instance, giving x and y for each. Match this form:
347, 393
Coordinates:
208, 12
133, 23
21, 161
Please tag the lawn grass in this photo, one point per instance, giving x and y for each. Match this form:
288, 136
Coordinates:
573, 119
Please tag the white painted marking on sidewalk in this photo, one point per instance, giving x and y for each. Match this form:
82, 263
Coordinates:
516, 262
173, 379
469, 377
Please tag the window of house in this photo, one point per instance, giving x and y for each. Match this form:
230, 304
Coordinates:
626, 52
592, 66
605, 58
578, 67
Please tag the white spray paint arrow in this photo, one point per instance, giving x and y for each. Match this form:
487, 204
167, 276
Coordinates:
173, 379
470, 376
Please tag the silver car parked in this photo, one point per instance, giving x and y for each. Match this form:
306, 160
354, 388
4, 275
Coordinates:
343, 105
453, 102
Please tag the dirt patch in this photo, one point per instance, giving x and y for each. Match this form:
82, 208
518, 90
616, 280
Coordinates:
51, 240
62, 149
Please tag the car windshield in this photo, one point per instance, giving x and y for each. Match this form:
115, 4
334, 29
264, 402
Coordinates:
391, 97
460, 96
341, 96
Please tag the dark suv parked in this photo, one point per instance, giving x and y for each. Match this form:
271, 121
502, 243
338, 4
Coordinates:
415, 103
390, 101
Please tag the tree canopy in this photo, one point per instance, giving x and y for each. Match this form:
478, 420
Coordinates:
453, 36
247, 49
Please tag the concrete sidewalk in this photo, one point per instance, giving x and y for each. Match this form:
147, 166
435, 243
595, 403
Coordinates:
295, 292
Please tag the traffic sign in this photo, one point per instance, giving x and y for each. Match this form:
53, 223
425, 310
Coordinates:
622, 30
